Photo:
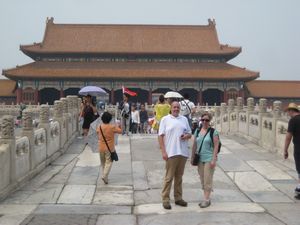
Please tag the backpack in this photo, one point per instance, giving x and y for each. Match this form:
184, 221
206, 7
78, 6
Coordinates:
123, 112
184, 105
211, 134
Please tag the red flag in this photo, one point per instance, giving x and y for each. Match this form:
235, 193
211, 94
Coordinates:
127, 91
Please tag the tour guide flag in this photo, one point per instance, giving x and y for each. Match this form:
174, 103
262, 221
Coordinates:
127, 91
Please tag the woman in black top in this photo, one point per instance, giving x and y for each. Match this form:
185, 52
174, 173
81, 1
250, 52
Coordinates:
88, 114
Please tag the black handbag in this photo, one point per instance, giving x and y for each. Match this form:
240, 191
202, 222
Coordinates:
196, 158
113, 155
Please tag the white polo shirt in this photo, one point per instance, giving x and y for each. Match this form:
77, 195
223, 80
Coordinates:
173, 127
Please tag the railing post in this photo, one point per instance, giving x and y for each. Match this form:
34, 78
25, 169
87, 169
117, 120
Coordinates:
66, 116
277, 113
250, 109
223, 113
8, 137
239, 108
29, 132
58, 116
44, 123
230, 112
262, 112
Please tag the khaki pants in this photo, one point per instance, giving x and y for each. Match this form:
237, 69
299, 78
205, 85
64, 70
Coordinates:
206, 175
125, 123
106, 164
174, 169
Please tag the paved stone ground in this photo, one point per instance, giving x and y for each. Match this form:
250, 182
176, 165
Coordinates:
251, 187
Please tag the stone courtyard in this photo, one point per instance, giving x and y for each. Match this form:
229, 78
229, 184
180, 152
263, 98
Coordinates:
252, 186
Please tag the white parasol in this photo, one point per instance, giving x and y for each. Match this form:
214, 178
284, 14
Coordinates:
172, 94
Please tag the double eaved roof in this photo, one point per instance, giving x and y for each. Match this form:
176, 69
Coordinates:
65, 41
133, 70
130, 39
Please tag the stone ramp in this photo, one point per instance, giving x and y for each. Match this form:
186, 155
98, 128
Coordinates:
255, 185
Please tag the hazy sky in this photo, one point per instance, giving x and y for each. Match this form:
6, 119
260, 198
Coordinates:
267, 30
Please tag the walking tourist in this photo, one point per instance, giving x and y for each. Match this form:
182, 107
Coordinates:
135, 119
293, 132
161, 109
88, 113
207, 150
187, 108
125, 114
143, 120
106, 138
174, 132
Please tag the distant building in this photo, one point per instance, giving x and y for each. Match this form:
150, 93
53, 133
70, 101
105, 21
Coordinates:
272, 90
145, 58
7, 91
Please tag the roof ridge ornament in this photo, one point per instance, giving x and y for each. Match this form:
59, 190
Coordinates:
211, 22
50, 20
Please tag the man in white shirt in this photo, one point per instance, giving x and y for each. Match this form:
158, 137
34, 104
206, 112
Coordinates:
187, 108
174, 132
135, 119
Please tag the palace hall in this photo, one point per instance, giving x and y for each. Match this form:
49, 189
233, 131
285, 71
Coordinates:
148, 59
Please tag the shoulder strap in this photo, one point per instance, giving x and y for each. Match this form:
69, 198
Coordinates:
211, 134
212, 130
187, 104
198, 131
203, 140
104, 139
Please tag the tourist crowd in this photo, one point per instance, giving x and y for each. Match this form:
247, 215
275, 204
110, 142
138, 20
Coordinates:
174, 125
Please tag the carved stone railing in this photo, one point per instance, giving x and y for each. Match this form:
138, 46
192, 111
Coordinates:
265, 126
25, 155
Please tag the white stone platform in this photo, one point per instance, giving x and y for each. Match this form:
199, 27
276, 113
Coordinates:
253, 186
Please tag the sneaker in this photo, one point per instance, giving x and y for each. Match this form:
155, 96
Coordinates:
105, 180
204, 204
167, 205
181, 203
297, 190
297, 196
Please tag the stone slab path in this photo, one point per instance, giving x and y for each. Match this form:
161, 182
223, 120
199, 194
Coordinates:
251, 186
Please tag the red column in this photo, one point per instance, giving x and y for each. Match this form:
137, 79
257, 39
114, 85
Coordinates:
150, 97
62, 94
225, 96
36, 96
112, 96
199, 98
19, 95
242, 93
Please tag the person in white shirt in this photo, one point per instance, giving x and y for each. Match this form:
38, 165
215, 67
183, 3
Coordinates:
125, 114
135, 119
173, 135
187, 108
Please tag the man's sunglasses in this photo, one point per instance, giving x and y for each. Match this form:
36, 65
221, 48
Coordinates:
206, 120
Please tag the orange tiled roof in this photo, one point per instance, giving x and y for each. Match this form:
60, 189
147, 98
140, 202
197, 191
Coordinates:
126, 39
127, 70
274, 88
7, 88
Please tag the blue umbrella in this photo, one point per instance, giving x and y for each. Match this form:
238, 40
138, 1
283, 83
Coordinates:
92, 90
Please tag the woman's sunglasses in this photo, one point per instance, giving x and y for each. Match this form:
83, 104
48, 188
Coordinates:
206, 120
